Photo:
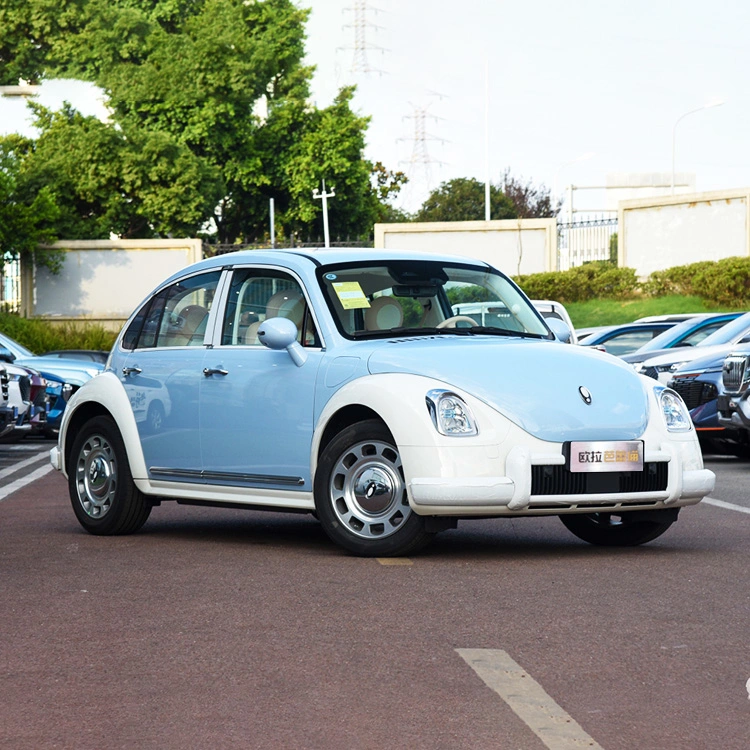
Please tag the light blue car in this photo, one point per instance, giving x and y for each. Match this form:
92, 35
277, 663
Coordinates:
341, 383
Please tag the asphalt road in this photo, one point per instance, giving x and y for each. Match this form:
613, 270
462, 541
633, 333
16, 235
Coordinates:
235, 629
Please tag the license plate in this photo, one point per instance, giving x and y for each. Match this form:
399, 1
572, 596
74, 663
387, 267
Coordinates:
615, 455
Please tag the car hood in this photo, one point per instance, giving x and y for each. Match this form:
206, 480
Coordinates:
534, 384
688, 354
713, 362
65, 370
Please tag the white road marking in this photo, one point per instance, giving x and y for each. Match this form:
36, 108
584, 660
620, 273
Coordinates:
26, 447
723, 504
13, 468
28, 479
554, 727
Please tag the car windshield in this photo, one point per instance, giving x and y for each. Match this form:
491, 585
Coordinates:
690, 332
730, 333
373, 299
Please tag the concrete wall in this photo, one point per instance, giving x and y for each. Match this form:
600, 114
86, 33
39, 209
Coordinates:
658, 233
102, 281
514, 246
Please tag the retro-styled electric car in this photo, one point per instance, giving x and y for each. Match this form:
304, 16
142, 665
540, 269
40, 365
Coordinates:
341, 383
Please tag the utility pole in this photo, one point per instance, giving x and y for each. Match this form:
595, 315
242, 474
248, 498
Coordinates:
271, 211
317, 195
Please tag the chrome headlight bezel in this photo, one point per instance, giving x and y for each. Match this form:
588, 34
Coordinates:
450, 414
674, 411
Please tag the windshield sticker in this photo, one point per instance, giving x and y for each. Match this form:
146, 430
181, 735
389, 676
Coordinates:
350, 295
331, 276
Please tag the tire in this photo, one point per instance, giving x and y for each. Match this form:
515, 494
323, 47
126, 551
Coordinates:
104, 497
613, 530
360, 494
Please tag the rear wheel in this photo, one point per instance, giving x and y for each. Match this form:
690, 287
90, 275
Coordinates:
360, 494
613, 530
102, 492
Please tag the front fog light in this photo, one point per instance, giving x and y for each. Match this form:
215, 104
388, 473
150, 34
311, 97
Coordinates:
450, 414
675, 412
67, 391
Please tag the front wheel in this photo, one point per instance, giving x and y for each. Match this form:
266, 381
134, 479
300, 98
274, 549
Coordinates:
360, 494
613, 530
102, 492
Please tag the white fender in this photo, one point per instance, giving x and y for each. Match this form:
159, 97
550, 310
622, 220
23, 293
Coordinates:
107, 391
399, 400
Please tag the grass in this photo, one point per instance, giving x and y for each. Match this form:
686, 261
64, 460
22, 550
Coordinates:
40, 336
604, 312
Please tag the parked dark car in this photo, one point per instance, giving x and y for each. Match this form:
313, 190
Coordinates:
691, 332
624, 339
701, 386
734, 399
64, 377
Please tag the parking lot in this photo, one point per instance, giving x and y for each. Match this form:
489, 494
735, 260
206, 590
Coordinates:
226, 628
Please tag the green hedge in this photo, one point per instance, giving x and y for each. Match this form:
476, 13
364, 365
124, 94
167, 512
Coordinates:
40, 336
724, 282
594, 280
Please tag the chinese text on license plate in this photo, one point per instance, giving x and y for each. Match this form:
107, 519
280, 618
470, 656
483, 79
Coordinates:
622, 455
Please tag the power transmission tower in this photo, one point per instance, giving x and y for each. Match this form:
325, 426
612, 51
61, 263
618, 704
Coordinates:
361, 24
420, 157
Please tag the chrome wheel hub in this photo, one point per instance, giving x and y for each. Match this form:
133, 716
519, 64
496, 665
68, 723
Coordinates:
367, 490
96, 476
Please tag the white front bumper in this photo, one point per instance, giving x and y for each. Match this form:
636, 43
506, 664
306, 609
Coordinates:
512, 494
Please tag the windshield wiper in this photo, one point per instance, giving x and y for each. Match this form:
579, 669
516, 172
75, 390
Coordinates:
473, 331
505, 332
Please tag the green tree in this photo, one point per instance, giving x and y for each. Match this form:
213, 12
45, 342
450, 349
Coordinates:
210, 117
463, 199
28, 215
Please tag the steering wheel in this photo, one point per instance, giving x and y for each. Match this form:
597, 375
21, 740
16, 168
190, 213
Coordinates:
451, 322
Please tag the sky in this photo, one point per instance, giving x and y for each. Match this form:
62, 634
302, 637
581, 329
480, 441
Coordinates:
573, 93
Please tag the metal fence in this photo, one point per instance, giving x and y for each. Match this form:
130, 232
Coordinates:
10, 284
579, 242
210, 250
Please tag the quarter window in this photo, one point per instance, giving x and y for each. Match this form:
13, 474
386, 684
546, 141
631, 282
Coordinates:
176, 316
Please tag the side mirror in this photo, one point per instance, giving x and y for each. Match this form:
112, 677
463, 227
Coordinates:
6, 355
281, 333
560, 329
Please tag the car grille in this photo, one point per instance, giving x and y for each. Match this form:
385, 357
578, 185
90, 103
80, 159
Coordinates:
694, 392
559, 480
24, 385
650, 372
734, 372
4, 381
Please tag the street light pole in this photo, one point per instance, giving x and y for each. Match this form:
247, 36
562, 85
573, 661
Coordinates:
317, 195
674, 131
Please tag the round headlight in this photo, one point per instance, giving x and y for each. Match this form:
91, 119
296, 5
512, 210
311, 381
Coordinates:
450, 414
675, 412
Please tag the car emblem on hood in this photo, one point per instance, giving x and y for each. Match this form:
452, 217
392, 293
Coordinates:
585, 394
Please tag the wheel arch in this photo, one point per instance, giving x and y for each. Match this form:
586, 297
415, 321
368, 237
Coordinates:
395, 399
103, 396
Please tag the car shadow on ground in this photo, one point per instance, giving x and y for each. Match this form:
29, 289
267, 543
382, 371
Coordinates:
490, 539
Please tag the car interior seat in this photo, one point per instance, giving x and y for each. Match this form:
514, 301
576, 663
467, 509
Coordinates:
285, 304
193, 328
383, 314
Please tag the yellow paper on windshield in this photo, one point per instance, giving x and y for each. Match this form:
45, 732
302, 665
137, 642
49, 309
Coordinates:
350, 295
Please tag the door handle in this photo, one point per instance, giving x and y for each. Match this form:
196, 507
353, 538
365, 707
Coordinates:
209, 371
131, 371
